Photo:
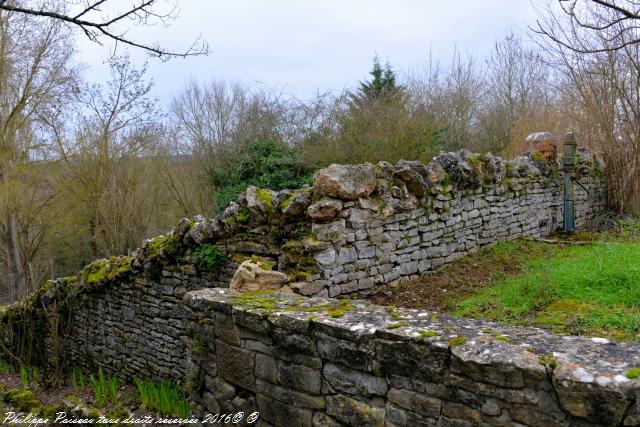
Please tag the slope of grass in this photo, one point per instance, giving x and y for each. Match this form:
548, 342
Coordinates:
592, 289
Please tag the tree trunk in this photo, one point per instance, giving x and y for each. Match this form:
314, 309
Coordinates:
93, 245
13, 259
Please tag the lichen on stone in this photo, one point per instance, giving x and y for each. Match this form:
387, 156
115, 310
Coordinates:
243, 216
341, 309
397, 325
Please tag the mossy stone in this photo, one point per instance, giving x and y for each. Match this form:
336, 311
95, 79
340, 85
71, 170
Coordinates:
23, 400
457, 341
633, 373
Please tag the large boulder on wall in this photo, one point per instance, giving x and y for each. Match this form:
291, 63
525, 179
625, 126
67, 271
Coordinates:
253, 276
346, 182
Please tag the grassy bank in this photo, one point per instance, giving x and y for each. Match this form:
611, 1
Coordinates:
592, 289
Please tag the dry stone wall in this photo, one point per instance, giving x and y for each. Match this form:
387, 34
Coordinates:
362, 226
357, 228
364, 246
326, 362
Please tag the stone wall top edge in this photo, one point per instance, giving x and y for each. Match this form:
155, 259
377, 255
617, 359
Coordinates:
580, 359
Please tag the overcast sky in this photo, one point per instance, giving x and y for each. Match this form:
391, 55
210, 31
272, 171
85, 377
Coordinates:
310, 45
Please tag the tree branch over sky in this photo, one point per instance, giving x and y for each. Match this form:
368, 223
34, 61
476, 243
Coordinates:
103, 19
590, 26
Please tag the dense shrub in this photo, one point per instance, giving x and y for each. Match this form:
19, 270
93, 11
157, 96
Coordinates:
267, 163
209, 257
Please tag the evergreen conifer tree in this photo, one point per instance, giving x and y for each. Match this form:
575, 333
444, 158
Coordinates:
382, 83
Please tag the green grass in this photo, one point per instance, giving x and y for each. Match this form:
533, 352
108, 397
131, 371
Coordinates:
28, 377
590, 289
165, 397
77, 380
105, 388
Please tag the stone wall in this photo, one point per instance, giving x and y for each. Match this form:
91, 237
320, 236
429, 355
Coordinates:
362, 226
327, 362
364, 246
357, 228
130, 323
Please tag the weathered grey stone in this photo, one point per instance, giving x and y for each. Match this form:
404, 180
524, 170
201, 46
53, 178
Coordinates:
435, 174
353, 412
355, 355
296, 204
315, 245
414, 174
493, 361
221, 389
371, 204
299, 377
400, 417
324, 210
296, 398
415, 402
210, 402
305, 288
384, 170
320, 419
326, 257
266, 368
347, 255
330, 231
604, 404
235, 365
347, 182
354, 382
260, 200
359, 216
461, 412
281, 413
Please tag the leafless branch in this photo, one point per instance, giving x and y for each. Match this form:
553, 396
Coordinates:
98, 27
591, 26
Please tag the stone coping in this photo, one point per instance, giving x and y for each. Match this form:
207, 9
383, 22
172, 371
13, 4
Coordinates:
599, 364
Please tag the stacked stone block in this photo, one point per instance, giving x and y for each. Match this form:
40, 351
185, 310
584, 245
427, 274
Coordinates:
374, 248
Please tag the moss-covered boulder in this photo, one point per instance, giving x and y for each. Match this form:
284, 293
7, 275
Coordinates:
22, 400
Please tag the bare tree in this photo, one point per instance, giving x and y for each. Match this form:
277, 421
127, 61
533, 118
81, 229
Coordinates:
604, 87
575, 24
450, 97
109, 180
517, 96
103, 19
463, 90
35, 78
212, 120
